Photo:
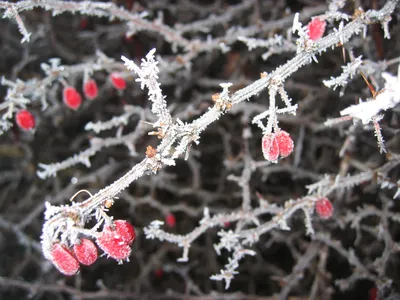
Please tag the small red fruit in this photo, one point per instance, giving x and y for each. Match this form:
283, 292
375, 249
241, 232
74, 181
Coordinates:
118, 81
285, 143
25, 120
72, 98
324, 208
270, 147
373, 293
159, 273
85, 252
170, 220
316, 29
63, 259
125, 231
84, 23
113, 245
116, 240
90, 89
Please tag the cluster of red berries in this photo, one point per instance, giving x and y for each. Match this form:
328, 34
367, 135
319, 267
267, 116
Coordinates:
275, 144
316, 29
114, 240
67, 260
71, 98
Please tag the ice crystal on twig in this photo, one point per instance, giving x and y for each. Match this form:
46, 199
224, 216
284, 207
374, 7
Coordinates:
384, 100
148, 76
349, 71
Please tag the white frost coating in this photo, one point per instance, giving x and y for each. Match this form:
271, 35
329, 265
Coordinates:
388, 98
349, 71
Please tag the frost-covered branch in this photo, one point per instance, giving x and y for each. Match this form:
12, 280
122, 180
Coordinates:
177, 140
349, 71
369, 111
275, 45
148, 76
387, 98
212, 20
97, 144
136, 22
123, 119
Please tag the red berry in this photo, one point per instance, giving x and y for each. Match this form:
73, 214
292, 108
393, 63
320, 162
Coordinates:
125, 231
316, 29
84, 23
112, 244
63, 259
373, 293
270, 147
90, 89
118, 81
324, 208
115, 240
159, 273
85, 252
170, 220
285, 143
25, 120
72, 98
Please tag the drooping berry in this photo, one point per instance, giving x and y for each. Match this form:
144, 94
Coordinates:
118, 81
125, 230
72, 98
112, 244
324, 208
170, 219
116, 240
269, 146
285, 143
316, 29
63, 259
25, 119
90, 89
85, 252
